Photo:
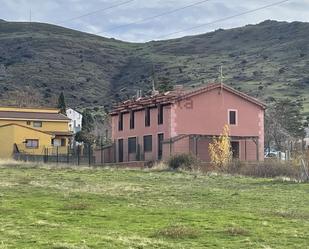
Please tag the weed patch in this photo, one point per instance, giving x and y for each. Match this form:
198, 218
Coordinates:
178, 232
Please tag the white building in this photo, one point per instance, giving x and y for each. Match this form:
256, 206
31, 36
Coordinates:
307, 138
76, 120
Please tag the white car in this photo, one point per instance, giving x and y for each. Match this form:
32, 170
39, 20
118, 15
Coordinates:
275, 154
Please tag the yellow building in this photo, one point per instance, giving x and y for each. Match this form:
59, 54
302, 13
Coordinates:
32, 131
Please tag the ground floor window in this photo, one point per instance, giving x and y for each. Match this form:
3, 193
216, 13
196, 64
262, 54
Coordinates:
132, 145
148, 143
63, 142
160, 145
32, 143
235, 149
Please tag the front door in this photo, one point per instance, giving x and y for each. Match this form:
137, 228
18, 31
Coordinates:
235, 149
120, 150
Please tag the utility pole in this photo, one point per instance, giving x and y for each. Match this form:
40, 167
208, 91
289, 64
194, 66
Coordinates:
30, 16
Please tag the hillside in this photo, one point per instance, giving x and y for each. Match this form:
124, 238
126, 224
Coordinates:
38, 61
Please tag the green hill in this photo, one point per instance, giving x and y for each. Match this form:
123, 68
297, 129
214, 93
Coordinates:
38, 61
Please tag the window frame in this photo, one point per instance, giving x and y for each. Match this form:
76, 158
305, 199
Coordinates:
132, 120
147, 117
131, 151
229, 116
120, 121
37, 122
150, 144
160, 114
32, 140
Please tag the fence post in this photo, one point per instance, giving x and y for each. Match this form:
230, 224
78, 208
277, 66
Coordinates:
57, 154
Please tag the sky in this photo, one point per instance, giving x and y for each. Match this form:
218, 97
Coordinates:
134, 20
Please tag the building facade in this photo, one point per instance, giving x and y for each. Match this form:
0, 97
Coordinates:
32, 131
76, 118
156, 127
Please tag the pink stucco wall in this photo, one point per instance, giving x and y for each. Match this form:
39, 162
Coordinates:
207, 113
203, 114
140, 131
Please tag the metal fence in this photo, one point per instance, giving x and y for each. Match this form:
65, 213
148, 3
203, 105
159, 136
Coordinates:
78, 155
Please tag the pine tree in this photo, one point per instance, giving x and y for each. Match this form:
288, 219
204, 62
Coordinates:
61, 103
87, 121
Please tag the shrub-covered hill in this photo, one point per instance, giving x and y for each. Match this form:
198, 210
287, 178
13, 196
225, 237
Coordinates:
38, 61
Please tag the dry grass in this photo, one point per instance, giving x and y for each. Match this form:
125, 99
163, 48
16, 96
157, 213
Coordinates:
76, 206
236, 231
178, 232
160, 166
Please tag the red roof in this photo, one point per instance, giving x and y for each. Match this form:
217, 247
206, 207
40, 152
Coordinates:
174, 96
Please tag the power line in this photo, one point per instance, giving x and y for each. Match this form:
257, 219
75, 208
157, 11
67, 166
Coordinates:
97, 11
224, 19
155, 16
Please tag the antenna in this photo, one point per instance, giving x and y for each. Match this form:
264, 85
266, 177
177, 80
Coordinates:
153, 79
221, 78
221, 75
154, 91
30, 16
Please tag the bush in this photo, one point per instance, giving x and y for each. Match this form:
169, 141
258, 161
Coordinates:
184, 161
271, 169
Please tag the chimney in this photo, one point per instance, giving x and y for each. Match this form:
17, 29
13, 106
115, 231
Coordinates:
138, 94
154, 92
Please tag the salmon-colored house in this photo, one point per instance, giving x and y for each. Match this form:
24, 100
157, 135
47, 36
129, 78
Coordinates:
179, 121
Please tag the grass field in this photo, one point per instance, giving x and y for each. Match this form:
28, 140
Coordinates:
104, 208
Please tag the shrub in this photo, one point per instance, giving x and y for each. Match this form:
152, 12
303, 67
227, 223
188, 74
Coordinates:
271, 169
184, 161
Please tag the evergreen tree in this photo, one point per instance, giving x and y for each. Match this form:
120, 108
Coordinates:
85, 135
61, 103
87, 121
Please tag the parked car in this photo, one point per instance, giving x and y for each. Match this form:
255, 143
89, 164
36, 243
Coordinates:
275, 154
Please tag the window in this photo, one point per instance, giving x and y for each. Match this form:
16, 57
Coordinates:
37, 124
32, 143
56, 142
28, 122
160, 145
132, 120
120, 122
63, 142
148, 143
147, 117
132, 145
160, 114
120, 150
232, 117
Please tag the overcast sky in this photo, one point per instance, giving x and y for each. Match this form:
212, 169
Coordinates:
90, 16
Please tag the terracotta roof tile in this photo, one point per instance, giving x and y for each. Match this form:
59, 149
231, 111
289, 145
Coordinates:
172, 96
